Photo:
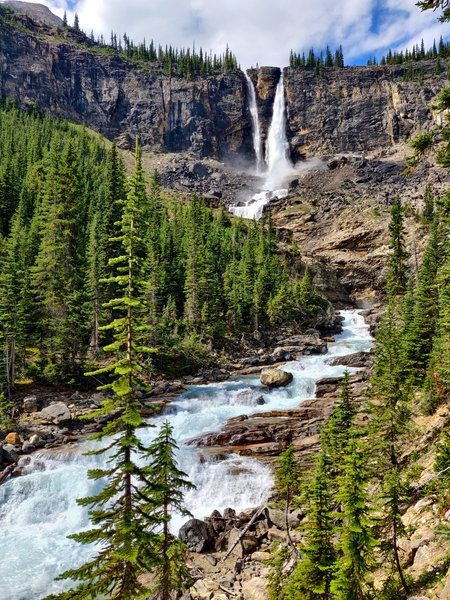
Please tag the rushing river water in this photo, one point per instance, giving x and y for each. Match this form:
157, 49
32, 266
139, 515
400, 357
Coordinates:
39, 509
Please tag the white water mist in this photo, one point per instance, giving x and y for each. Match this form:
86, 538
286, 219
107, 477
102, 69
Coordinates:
279, 167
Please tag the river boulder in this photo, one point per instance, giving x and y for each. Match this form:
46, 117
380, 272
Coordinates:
275, 377
13, 438
56, 413
196, 535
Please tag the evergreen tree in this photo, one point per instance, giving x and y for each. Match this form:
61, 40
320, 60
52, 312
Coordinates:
419, 336
389, 428
338, 428
16, 302
356, 543
287, 483
428, 208
165, 477
56, 274
121, 513
441, 342
309, 301
311, 580
397, 277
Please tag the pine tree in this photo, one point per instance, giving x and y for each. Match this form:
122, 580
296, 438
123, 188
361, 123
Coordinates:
338, 428
165, 477
356, 543
123, 524
311, 580
287, 483
308, 300
397, 277
16, 303
56, 274
419, 337
441, 342
389, 428
428, 205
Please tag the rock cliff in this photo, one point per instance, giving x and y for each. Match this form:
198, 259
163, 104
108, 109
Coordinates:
120, 99
357, 108
346, 110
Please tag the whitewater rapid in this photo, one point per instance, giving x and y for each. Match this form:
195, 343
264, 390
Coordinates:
38, 510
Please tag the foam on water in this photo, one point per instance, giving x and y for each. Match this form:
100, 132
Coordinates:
39, 509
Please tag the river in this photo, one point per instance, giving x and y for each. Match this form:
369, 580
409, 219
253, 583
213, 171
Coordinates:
38, 510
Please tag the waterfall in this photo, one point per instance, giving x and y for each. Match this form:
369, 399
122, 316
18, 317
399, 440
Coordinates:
278, 164
279, 167
256, 131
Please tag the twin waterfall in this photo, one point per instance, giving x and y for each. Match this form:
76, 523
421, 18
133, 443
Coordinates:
276, 166
257, 141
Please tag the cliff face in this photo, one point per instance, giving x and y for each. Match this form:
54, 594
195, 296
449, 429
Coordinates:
119, 99
346, 110
356, 108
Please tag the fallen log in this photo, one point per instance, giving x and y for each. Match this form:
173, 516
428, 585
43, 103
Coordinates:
244, 531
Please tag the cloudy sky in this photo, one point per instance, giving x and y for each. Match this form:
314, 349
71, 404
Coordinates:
262, 31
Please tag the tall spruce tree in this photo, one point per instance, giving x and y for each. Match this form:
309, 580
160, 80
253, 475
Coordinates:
122, 516
389, 428
165, 477
58, 271
338, 428
420, 333
311, 580
287, 484
397, 277
356, 542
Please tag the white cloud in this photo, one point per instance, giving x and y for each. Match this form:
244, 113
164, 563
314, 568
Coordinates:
261, 31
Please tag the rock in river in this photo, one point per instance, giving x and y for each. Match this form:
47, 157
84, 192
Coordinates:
196, 535
275, 377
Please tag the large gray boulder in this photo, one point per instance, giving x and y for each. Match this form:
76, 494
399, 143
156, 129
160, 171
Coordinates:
196, 535
275, 377
56, 413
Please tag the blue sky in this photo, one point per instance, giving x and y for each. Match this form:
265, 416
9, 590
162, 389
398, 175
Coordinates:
263, 31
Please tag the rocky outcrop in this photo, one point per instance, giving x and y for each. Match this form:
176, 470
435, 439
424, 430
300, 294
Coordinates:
356, 108
56, 413
120, 99
266, 435
351, 109
196, 535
